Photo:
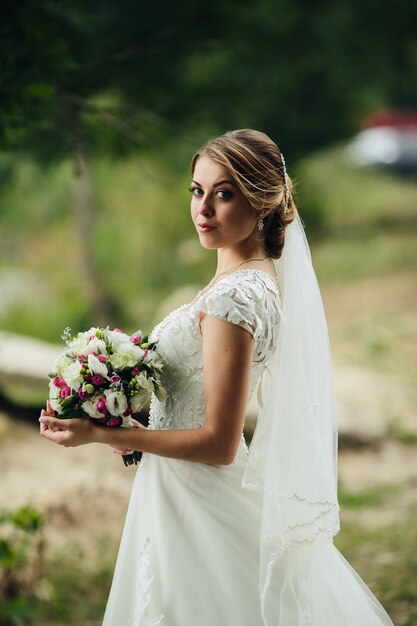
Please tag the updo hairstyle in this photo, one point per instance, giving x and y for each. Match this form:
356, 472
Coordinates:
255, 164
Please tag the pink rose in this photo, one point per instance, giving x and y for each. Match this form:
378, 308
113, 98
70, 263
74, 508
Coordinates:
59, 382
136, 339
102, 358
97, 380
101, 406
115, 379
135, 371
81, 358
145, 352
65, 392
114, 421
117, 330
82, 394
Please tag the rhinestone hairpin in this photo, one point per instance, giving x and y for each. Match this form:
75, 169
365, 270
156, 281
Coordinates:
286, 189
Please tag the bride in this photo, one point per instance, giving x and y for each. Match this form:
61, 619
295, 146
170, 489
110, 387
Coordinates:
216, 534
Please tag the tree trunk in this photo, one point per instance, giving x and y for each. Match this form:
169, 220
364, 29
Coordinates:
103, 308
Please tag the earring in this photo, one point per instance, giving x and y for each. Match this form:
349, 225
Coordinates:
260, 224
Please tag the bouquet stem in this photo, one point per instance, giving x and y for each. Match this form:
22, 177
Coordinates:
132, 458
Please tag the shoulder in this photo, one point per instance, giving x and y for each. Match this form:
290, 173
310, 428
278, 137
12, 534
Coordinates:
247, 297
246, 286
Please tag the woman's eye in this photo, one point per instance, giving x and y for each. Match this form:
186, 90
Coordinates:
225, 194
196, 191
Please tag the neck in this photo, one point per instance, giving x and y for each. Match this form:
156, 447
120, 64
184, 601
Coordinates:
228, 258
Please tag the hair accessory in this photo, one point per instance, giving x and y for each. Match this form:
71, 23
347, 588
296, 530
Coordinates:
286, 189
260, 224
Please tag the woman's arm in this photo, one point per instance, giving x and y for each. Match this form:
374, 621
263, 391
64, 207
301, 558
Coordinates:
227, 352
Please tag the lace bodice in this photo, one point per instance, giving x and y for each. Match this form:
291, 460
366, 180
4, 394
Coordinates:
248, 297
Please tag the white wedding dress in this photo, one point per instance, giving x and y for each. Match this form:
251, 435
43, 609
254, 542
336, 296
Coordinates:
189, 554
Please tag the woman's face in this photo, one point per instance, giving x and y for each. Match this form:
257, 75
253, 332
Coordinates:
221, 214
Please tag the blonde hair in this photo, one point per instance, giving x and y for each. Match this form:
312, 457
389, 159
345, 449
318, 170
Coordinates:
255, 163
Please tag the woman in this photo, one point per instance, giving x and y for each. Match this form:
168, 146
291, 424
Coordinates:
217, 535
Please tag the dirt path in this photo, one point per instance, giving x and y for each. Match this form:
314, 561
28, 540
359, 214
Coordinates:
89, 486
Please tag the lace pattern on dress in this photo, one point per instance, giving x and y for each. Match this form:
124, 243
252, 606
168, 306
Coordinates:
144, 582
249, 298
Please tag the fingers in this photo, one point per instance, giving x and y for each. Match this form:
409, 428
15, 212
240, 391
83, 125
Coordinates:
54, 423
57, 436
45, 417
43, 427
121, 450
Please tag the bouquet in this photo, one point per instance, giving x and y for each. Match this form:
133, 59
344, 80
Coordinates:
105, 375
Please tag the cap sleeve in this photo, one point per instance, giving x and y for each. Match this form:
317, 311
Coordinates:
243, 298
234, 301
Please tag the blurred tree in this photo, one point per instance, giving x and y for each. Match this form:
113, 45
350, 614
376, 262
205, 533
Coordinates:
75, 80
117, 75
43, 51
80, 78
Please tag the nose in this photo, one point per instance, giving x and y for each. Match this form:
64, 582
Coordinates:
205, 205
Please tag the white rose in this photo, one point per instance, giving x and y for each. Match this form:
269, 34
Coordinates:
161, 394
145, 382
116, 338
127, 422
92, 331
72, 375
79, 343
96, 367
139, 400
153, 359
127, 355
95, 345
56, 405
61, 363
54, 397
116, 402
90, 407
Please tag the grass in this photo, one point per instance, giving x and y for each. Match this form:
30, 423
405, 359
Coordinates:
74, 586
401, 434
364, 255
367, 497
340, 198
66, 585
385, 557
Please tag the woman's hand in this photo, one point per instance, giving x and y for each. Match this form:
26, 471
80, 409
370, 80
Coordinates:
122, 451
65, 432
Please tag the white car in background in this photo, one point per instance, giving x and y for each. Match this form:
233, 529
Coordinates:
389, 139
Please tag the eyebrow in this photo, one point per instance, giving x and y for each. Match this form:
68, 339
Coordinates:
220, 182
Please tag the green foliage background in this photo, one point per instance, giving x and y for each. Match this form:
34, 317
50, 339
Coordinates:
101, 108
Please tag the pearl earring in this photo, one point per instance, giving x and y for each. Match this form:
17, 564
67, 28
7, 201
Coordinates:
260, 224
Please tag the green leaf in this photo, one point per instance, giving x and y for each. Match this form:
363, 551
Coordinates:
70, 401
